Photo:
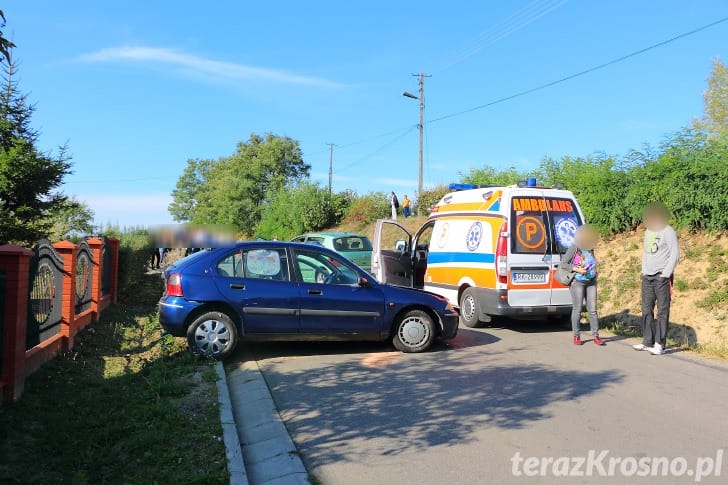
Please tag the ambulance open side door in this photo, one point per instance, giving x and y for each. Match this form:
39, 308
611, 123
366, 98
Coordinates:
392, 254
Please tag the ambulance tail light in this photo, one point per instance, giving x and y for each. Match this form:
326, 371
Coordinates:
501, 254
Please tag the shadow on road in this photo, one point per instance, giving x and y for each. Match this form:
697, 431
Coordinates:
416, 401
465, 338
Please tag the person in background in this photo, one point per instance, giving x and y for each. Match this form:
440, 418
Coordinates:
155, 258
579, 258
659, 258
406, 206
394, 203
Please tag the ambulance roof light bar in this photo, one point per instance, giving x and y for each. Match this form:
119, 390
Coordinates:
531, 182
455, 187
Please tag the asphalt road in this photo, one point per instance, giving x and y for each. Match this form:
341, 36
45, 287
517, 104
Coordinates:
361, 413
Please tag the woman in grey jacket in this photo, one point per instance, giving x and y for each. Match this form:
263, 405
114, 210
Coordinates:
580, 260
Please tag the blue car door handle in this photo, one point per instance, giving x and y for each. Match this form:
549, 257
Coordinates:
315, 292
237, 286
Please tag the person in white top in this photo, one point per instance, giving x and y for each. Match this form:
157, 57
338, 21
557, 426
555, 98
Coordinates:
660, 255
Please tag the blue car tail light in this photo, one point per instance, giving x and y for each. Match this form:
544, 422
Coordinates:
174, 285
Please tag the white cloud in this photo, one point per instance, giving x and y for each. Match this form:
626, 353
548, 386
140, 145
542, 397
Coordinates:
200, 65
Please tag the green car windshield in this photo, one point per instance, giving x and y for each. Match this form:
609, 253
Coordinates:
352, 244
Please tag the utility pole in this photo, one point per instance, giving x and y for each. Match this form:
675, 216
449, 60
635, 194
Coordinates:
422, 141
421, 125
331, 165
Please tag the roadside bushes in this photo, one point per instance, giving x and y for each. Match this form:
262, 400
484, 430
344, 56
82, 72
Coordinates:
368, 208
135, 250
430, 197
302, 208
688, 173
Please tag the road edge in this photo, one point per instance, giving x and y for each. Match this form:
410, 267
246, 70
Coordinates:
270, 455
233, 449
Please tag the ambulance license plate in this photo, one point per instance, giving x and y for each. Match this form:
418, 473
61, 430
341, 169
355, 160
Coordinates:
529, 277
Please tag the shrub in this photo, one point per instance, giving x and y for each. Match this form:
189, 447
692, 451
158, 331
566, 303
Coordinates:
135, 250
368, 208
430, 197
302, 208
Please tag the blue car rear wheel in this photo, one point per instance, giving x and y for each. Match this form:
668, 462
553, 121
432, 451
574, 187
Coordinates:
212, 334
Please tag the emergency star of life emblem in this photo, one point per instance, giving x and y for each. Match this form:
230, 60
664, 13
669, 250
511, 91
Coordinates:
475, 233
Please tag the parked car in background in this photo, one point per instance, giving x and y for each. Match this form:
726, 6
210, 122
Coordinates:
288, 291
354, 247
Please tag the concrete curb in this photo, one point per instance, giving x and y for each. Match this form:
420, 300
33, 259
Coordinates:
233, 451
270, 456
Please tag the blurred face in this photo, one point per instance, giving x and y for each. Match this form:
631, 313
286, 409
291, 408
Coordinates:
655, 220
586, 237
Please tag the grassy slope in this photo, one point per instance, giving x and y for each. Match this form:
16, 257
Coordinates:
700, 301
125, 406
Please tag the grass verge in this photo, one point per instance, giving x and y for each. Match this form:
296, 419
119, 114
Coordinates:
124, 406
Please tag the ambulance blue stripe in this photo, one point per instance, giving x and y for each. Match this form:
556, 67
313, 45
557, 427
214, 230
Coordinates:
459, 257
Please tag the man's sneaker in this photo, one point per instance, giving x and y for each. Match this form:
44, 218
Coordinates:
640, 347
598, 340
577, 340
657, 349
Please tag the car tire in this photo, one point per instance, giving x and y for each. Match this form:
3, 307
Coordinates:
469, 309
212, 334
413, 332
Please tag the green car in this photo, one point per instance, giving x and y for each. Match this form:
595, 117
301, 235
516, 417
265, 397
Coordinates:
354, 247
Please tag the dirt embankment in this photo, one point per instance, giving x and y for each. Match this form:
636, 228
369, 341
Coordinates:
699, 312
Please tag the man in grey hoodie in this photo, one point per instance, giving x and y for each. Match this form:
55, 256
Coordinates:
659, 258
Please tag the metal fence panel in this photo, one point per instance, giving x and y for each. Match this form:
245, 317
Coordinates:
84, 277
46, 294
2, 314
106, 259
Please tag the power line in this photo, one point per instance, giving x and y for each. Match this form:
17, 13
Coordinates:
581, 73
500, 30
409, 130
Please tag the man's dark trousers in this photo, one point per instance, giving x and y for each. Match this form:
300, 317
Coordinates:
655, 289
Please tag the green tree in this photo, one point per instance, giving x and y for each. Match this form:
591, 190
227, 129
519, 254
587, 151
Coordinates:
70, 217
429, 197
187, 189
689, 175
490, 176
235, 190
715, 100
5, 45
29, 178
599, 182
303, 208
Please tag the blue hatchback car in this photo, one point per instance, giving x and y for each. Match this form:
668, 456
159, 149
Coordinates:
291, 291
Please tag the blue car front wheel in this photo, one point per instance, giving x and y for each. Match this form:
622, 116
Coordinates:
413, 332
212, 334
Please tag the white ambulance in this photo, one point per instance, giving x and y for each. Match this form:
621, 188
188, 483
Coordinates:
491, 251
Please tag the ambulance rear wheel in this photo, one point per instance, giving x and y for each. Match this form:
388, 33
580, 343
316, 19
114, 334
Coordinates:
469, 309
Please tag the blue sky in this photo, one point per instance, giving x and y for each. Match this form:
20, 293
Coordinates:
137, 88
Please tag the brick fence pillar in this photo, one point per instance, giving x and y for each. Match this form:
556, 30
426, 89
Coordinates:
97, 246
69, 253
15, 261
